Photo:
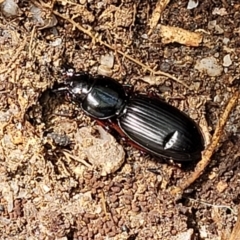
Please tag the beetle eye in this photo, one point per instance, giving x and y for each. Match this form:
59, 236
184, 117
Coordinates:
76, 90
70, 72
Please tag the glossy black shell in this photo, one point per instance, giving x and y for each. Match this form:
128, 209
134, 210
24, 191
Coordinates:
161, 129
105, 100
152, 124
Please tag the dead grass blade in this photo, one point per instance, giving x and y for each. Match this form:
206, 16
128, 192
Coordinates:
207, 154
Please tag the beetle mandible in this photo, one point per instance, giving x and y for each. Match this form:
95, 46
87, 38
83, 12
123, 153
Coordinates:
150, 123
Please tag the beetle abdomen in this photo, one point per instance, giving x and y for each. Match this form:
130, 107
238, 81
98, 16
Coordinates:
161, 129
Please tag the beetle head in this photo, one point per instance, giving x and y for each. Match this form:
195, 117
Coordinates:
77, 86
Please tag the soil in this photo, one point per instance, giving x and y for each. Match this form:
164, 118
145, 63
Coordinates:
49, 189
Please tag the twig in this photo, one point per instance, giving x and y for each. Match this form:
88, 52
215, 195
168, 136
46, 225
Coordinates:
68, 155
206, 157
160, 6
97, 39
104, 205
213, 205
31, 42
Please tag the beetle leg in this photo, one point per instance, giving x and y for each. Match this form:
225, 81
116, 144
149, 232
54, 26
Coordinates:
104, 124
110, 125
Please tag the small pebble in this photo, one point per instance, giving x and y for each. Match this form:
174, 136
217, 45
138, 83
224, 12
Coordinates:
210, 66
104, 70
227, 60
9, 8
135, 208
116, 189
107, 60
192, 4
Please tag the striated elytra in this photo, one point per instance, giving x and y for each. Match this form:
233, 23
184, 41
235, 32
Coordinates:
150, 123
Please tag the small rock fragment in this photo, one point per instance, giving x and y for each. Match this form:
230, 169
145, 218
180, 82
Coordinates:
103, 152
59, 139
57, 42
107, 60
221, 186
82, 2
203, 232
210, 66
188, 235
9, 8
219, 11
17, 138
213, 25
104, 70
41, 20
226, 40
192, 4
227, 60
106, 66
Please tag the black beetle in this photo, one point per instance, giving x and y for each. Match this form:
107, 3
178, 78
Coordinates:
151, 124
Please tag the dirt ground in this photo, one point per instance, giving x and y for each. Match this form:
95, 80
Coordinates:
52, 185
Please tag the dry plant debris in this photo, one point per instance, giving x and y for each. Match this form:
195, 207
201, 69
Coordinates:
160, 6
171, 34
